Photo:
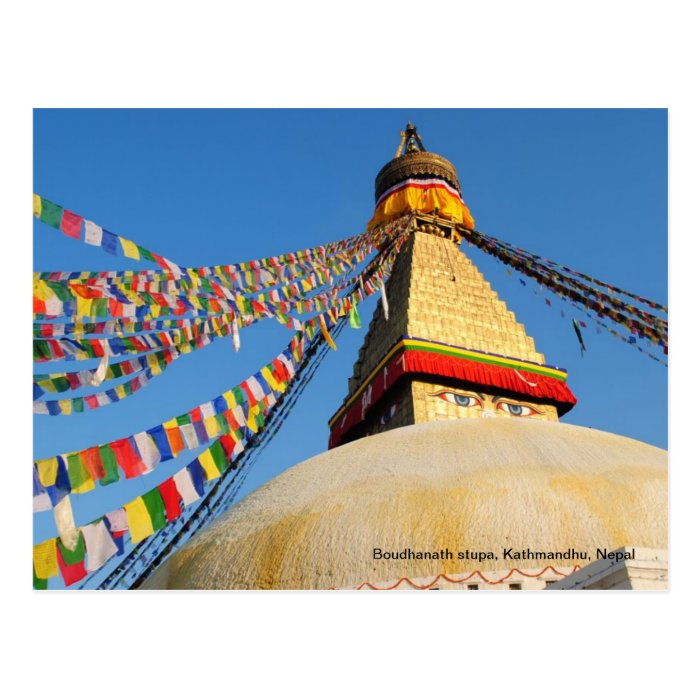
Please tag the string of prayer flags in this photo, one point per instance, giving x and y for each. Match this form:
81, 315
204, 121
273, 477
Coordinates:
71, 225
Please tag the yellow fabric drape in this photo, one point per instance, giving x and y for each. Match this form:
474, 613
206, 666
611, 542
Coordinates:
423, 200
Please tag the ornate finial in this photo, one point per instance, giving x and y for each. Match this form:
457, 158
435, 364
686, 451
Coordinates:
410, 141
412, 160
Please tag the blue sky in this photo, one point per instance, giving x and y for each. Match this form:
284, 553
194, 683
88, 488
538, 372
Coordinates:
587, 188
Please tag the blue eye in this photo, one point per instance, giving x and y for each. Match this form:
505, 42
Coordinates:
517, 410
462, 400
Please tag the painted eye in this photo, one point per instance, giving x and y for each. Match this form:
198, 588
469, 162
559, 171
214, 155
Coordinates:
517, 410
462, 400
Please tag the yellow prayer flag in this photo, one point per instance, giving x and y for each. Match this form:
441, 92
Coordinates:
326, 334
48, 470
37, 213
66, 406
207, 462
229, 398
129, 248
212, 427
120, 391
270, 379
140, 525
172, 423
84, 307
250, 419
42, 291
45, 559
152, 361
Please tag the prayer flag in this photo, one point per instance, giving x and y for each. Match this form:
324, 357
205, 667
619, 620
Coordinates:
127, 458
156, 508
109, 242
70, 561
130, 249
99, 544
150, 456
171, 499
70, 224
51, 213
185, 487
45, 559
355, 321
78, 475
109, 464
140, 523
385, 302
93, 233
37, 205
326, 334
160, 438
118, 522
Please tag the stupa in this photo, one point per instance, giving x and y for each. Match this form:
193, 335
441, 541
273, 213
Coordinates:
416, 490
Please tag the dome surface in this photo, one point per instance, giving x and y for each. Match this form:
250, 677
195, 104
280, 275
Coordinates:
482, 485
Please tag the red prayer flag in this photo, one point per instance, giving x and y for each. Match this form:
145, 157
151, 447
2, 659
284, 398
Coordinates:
171, 498
93, 463
70, 224
127, 458
228, 443
70, 572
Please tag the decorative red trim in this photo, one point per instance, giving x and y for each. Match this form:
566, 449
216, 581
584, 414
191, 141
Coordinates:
419, 587
407, 362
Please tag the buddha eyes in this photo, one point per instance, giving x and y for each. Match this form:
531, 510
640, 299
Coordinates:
463, 400
510, 408
516, 409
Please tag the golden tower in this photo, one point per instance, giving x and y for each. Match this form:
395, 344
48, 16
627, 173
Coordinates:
446, 346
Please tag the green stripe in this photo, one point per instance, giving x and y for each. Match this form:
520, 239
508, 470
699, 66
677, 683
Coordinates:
443, 350
488, 360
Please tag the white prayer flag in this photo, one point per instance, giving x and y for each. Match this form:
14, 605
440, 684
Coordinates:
150, 455
118, 521
185, 487
99, 544
385, 302
93, 233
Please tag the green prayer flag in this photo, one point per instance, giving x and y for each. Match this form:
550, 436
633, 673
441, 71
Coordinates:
155, 507
77, 473
184, 419
77, 555
355, 321
241, 398
109, 462
223, 425
51, 213
219, 456
145, 254
100, 307
60, 290
61, 384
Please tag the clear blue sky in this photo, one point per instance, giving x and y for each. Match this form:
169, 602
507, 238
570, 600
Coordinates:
587, 188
